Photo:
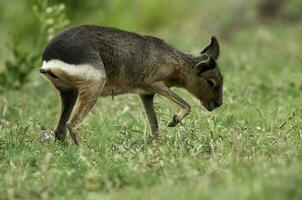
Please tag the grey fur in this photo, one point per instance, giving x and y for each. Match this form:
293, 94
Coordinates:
136, 63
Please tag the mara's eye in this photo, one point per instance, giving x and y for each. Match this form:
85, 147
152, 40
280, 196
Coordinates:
211, 82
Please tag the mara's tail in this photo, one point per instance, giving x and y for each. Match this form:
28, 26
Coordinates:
47, 71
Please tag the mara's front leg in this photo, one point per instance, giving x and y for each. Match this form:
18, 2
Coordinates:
147, 100
161, 88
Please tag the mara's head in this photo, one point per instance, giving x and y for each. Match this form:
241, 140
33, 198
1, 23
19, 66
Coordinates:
206, 81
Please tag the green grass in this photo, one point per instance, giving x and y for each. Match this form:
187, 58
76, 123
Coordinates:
250, 148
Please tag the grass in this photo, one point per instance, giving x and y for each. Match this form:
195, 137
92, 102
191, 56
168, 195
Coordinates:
248, 149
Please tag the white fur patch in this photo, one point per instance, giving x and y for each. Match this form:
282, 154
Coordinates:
58, 82
86, 71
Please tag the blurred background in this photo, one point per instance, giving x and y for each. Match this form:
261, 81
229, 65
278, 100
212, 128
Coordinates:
27, 26
249, 148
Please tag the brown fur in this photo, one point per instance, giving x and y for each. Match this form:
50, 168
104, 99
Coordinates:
155, 71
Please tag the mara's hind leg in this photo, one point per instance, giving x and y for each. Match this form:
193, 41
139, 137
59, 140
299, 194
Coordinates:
88, 93
68, 99
86, 82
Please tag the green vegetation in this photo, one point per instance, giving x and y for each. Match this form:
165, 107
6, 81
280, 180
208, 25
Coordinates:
250, 148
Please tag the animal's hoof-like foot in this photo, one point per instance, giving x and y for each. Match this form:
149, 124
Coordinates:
174, 122
45, 136
152, 139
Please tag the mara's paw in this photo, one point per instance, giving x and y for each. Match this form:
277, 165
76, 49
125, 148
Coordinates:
174, 121
45, 136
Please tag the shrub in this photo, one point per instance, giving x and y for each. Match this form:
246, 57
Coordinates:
51, 19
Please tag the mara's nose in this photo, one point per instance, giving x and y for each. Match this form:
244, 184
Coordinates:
217, 103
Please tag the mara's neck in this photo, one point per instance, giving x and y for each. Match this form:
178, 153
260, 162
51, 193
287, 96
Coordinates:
184, 68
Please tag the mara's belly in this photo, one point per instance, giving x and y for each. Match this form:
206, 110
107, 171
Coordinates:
113, 91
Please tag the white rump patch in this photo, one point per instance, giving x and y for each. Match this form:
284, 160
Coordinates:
86, 71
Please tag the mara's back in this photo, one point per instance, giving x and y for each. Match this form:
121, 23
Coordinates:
122, 53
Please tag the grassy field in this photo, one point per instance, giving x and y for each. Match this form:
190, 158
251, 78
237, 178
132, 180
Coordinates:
250, 148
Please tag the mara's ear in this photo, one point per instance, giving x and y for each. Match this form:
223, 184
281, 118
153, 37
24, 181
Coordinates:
212, 49
206, 65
